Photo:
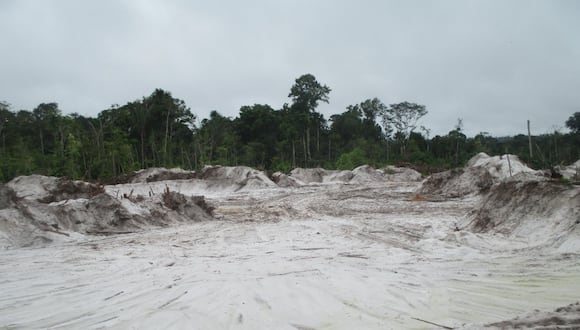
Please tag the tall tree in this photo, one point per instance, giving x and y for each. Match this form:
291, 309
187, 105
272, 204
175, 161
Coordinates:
404, 117
371, 109
46, 117
257, 127
306, 93
217, 140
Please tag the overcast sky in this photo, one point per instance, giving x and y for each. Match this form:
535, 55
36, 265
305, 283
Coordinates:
494, 64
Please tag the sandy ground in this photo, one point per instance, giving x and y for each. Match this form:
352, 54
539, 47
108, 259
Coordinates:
328, 256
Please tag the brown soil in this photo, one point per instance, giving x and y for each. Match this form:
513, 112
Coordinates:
567, 317
69, 189
509, 204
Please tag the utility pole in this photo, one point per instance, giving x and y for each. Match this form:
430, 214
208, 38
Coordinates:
530, 140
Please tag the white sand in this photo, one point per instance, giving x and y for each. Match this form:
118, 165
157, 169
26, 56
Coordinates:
332, 256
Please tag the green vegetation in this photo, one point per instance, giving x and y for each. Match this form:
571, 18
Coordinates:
160, 130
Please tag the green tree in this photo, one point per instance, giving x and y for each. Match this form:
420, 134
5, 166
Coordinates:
352, 159
306, 93
573, 123
257, 127
217, 140
404, 117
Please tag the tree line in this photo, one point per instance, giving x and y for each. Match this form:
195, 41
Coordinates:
161, 131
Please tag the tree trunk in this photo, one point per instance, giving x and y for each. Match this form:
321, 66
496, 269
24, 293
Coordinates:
530, 141
166, 137
318, 139
457, 152
41, 142
307, 142
305, 151
142, 148
293, 154
114, 167
61, 130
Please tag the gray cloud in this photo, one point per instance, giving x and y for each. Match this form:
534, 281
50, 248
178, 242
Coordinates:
493, 63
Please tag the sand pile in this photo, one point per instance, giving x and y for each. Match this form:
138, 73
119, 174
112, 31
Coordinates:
338, 176
309, 175
161, 174
367, 174
480, 173
457, 182
153, 174
503, 166
46, 209
283, 180
238, 177
211, 181
48, 189
401, 174
361, 175
533, 211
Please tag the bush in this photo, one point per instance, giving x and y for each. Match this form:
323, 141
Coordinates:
352, 159
280, 166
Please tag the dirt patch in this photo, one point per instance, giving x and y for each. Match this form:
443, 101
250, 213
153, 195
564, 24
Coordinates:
185, 204
509, 200
567, 317
8, 197
170, 175
69, 189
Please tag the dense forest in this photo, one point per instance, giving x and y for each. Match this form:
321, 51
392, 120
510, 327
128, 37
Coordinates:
161, 131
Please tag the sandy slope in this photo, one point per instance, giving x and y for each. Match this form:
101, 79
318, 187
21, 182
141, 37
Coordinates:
335, 256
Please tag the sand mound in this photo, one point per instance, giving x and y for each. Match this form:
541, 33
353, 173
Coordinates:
210, 181
501, 167
367, 174
309, 175
457, 182
480, 173
40, 210
153, 174
401, 174
533, 211
320, 175
240, 177
361, 175
337, 176
48, 189
283, 180
33, 186
161, 174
